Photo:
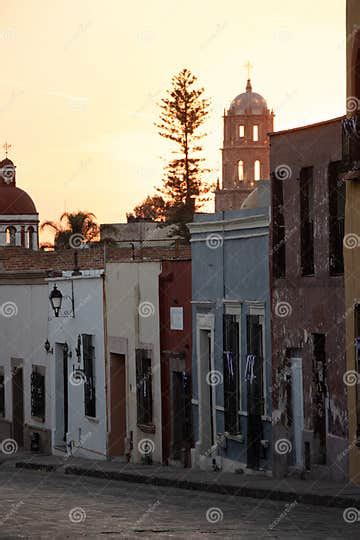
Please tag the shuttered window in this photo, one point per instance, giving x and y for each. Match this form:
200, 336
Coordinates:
89, 371
255, 366
143, 387
307, 220
38, 392
231, 373
336, 193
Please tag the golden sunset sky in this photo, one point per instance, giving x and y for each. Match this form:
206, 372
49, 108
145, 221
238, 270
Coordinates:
81, 80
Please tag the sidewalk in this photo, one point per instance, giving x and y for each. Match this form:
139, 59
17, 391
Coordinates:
323, 493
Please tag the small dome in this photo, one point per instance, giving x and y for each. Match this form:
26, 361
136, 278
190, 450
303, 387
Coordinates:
259, 197
248, 103
14, 200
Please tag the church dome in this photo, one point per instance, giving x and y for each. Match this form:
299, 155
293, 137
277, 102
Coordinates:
248, 103
14, 200
259, 197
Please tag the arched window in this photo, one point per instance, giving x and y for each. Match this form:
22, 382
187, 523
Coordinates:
257, 170
30, 238
11, 236
241, 171
255, 133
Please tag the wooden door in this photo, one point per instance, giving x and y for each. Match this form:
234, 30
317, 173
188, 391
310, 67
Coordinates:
117, 405
18, 406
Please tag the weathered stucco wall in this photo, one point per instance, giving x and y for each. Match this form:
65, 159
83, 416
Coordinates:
303, 306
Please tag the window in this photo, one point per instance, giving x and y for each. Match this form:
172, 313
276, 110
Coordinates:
241, 171
357, 365
38, 392
307, 220
254, 373
2, 392
255, 133
89, 371
143, 387
241, 132
30, 242
278, 229
257, 171
11, 236
336, 190
231, 373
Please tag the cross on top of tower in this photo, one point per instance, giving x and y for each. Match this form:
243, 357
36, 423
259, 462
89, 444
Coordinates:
248, 66
6, 147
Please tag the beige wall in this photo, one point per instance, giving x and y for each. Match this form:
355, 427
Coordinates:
352, 256
128, 286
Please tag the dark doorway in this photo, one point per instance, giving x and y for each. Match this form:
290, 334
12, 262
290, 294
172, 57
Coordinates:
319, 402
18, 405
255, 398
181, 420
117, 405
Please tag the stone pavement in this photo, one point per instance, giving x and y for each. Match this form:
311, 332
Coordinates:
314, 492
51, 505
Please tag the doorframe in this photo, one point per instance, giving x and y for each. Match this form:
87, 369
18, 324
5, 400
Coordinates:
299, 440
17, 364
205, 322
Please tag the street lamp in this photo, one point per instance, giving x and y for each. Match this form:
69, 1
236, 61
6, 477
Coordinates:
56, 300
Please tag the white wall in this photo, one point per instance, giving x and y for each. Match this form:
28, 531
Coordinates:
22, 338
90, 434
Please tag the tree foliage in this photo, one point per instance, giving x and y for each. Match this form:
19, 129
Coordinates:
153, 208
182, 115
72, 229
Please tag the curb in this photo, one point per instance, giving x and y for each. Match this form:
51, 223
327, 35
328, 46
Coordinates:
223, 489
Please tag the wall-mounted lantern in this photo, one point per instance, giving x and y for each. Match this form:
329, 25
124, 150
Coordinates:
48, 348
56, 300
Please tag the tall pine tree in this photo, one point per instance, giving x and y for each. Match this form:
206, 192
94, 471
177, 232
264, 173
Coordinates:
182, 115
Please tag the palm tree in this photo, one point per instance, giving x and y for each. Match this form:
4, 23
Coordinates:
73, 229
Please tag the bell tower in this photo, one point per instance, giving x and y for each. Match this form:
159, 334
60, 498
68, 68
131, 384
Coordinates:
245, 152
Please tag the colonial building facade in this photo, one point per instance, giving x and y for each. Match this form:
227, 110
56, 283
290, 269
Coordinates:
96, 346
310, 418
231, 337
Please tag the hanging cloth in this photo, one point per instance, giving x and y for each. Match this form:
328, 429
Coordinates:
229, 362
249, 369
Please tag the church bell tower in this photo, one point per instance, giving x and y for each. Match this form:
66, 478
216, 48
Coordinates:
245, 152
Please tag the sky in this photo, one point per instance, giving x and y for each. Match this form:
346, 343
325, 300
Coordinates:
82, 79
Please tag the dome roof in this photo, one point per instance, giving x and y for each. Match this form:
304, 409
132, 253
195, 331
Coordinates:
14, 200
260, 197
248, 103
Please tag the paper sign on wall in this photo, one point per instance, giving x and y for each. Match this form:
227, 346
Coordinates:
176, 318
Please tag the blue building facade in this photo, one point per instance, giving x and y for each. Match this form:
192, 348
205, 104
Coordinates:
231, 336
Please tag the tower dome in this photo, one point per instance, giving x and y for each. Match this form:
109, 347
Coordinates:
18, 215
248, 102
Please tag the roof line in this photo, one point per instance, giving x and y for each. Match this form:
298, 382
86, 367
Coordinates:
307, 126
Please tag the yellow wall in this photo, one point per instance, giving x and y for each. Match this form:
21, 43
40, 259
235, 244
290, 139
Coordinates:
352, 256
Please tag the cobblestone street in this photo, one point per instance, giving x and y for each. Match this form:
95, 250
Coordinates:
49, 505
